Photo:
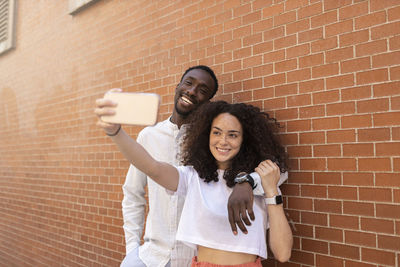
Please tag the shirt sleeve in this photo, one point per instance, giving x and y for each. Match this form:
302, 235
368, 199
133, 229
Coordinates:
185, 175
133, 205
259, 191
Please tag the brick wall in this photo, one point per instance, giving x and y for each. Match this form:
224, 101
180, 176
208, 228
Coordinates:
328, 70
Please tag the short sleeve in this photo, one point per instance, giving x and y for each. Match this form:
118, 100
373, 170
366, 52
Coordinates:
185, 175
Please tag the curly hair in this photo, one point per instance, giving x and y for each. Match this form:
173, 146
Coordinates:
259, 141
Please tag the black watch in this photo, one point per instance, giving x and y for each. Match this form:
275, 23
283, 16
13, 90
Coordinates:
243, 177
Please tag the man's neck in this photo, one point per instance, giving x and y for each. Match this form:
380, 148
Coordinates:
177, 119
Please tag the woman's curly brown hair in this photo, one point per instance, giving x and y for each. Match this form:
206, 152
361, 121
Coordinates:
259, 141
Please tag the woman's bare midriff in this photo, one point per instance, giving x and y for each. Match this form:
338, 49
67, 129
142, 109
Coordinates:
217, 256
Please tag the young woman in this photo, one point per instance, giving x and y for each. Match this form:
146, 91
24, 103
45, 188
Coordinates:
221, 141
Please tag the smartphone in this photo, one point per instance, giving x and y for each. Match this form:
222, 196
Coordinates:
133, 108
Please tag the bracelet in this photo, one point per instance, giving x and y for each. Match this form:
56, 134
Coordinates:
114, 134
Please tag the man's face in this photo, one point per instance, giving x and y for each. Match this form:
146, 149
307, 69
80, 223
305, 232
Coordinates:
196, 87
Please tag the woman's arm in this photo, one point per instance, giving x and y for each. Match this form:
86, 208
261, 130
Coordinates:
162, 173
280, 234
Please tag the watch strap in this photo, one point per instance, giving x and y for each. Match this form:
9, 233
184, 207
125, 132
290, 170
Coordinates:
275, 200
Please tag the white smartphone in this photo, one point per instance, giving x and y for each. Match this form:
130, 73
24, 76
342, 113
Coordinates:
133, 108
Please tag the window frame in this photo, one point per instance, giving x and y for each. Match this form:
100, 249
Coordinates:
9, 42
76, 6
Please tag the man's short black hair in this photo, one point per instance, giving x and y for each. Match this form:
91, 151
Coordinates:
209, 71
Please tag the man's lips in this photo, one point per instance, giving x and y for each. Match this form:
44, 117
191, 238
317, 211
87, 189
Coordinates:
186, 100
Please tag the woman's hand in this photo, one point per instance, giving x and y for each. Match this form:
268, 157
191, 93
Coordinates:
270, 174
105, 107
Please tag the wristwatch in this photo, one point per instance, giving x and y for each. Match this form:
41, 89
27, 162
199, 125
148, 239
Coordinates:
245, 177
275, 200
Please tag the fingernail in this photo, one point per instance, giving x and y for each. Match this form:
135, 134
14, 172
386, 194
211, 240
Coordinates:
234, 232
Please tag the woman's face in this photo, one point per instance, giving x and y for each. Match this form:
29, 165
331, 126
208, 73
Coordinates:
226, 137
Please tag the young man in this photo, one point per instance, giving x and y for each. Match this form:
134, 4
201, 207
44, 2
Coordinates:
197, 86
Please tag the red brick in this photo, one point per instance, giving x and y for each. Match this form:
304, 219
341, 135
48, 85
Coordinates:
299, 125
372, 76
322, 260
388, 211
313, 164
344, 251
313, 191
311, 35
374, 164
324, 19
274, 79
285, 65
375, 194
387, 179
299, 151
340, 81
263, 47
285, 18
312, 138
314, 245
376, 134
325, 44
311, 112
393, 13
386, 89
378, 5
356, 121
298, 75
286, 41
327, 178
339, 28
311, 60
355, 65
326, 123
371, 48
326, 150
342, 164
352, 38
387, 59
311, 86
386, 30
325, 70
359, 179
329, 234
370, 20
358, 150
353, 11
287, 114
298, 26
386, 119
374, 105
344, 221
394, 43
300, 203
360, 238
341, 192
314, 218
378, 256
395, 73
310, 10
388, 242
388, 149
326, 97
272, 10
329, 206
341, 136
262, 25
353, 93
340, 108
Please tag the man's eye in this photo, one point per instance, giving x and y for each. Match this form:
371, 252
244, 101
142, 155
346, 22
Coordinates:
188, 82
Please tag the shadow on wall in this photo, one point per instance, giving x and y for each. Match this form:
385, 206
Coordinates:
9, 122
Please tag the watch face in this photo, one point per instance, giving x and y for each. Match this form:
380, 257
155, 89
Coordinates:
278, 199
241, 177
